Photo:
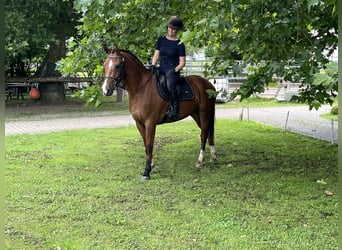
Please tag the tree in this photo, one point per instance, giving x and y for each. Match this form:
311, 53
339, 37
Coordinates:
290, 39
25, 38
36, 32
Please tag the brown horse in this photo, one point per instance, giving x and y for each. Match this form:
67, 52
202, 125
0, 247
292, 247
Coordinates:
123, 69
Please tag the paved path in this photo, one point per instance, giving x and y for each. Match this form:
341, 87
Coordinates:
298, 119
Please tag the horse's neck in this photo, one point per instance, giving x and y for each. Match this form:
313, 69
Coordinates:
136, 73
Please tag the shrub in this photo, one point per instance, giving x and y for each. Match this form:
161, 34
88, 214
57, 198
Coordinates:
334, 110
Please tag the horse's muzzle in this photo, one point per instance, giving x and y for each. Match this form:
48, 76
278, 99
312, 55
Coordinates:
109, 92
107, 89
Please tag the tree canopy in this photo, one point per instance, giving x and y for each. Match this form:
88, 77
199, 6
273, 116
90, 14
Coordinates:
289, 38
31, 28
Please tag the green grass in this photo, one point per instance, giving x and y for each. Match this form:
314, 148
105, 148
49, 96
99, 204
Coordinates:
82, 190
257, 102
330, 116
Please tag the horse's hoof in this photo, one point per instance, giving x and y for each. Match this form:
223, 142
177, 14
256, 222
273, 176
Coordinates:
214, 159
145, 178
198, 164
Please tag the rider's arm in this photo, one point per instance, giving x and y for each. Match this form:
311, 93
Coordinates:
155, 57
181, 63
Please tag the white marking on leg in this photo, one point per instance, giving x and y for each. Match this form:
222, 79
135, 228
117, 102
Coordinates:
199, 162
213, 156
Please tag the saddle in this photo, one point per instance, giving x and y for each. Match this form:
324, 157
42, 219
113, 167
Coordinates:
184, 90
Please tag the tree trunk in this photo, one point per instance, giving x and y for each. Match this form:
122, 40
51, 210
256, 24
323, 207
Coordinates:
120, 95
52, 92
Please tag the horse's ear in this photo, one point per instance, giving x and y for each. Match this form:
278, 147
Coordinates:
116, 47
105, 47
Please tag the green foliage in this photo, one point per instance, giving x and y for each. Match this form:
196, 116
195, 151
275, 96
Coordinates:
91, 94
254, 83
324, 87
82, 190
282, 38
30, 28
289, 38
328, 77
84, 65
334, 110
212, 93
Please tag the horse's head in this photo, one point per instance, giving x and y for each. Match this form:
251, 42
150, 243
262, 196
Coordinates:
114, 70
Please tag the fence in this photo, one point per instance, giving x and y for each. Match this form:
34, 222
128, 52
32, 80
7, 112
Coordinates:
297, 119
224, 84
228, 83
195, 67
15, 86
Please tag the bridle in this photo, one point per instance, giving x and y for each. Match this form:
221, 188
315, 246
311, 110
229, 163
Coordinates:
120, 68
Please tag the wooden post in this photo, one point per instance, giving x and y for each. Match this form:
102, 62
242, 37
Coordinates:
332, 131
241, 115
287, 119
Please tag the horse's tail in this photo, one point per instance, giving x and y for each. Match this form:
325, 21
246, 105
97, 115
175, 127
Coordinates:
211, 128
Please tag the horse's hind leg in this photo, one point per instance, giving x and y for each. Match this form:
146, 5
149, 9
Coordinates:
207, 133
204, 135
211, 134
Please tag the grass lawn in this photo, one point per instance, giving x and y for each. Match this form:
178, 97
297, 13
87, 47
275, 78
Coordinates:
330, 116
257, 102
82, 190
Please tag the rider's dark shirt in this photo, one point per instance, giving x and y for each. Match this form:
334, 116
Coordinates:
170, 51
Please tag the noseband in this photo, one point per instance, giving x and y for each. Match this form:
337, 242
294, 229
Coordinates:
120, 68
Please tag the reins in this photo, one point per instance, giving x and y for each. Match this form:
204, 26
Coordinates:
118, 80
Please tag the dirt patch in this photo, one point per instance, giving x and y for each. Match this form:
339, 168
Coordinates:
33, 110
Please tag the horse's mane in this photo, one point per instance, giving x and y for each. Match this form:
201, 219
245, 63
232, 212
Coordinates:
134, 56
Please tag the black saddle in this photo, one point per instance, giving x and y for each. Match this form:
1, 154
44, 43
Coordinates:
184, 90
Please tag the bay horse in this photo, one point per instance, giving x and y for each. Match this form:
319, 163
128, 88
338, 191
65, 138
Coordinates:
123, 69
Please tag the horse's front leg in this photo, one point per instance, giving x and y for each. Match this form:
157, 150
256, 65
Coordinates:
213, 157
150, 131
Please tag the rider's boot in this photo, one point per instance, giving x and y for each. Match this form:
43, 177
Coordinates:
172, 111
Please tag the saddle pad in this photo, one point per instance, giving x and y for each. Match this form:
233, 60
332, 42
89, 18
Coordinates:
185, 91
